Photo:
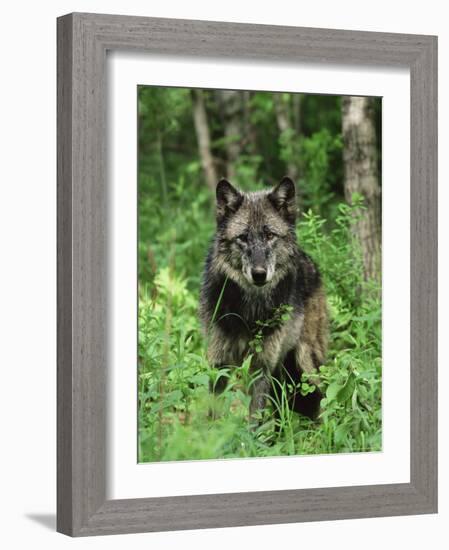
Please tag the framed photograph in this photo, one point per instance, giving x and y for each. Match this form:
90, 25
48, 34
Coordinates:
247, 274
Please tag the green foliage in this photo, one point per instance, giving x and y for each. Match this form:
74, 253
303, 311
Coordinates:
280, 316
317, 185
183, 224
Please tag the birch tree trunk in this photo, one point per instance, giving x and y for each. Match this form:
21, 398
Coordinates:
232, 112
362, 176
283, 118
297, 113
249, 140
203, 138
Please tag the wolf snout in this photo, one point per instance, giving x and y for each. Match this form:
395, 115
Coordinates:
259, 275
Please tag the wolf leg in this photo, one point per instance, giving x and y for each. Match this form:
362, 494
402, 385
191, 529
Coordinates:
260, 389
218, 385
265, 364
222, 354
306, 360
307, 405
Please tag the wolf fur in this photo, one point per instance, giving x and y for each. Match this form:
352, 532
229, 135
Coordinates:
256, 266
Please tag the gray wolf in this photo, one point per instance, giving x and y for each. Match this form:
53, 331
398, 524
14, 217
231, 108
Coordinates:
253, 269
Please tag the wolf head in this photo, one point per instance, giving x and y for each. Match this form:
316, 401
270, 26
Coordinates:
255, 233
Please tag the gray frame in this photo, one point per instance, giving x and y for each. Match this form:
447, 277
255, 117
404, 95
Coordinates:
83, 40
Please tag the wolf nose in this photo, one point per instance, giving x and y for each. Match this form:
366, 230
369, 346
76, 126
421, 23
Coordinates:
259, 275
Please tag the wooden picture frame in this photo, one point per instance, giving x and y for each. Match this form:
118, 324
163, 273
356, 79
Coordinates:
83, 40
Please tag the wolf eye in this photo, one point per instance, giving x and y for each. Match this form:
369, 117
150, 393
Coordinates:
269, 236
243, 237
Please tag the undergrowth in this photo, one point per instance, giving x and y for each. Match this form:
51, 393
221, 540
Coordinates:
174, 377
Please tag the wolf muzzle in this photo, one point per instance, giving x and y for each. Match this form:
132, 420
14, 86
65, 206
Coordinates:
259, 276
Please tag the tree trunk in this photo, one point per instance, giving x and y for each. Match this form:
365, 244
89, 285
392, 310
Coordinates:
160, 151
362, 176
203, 138
297, 113
232, 106
283, 118
249, 140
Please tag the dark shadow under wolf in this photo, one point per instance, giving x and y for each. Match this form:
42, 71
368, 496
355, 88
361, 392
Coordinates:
255, 268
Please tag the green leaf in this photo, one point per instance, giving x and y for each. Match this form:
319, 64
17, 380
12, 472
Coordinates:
347, 390
307, 388
200, 379
333, 390
354, 401
341, 432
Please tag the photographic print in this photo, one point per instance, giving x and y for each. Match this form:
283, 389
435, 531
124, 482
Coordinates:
267, 326
259, 274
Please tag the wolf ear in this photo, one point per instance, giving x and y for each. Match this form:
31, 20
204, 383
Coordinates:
283, 198
229, 199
